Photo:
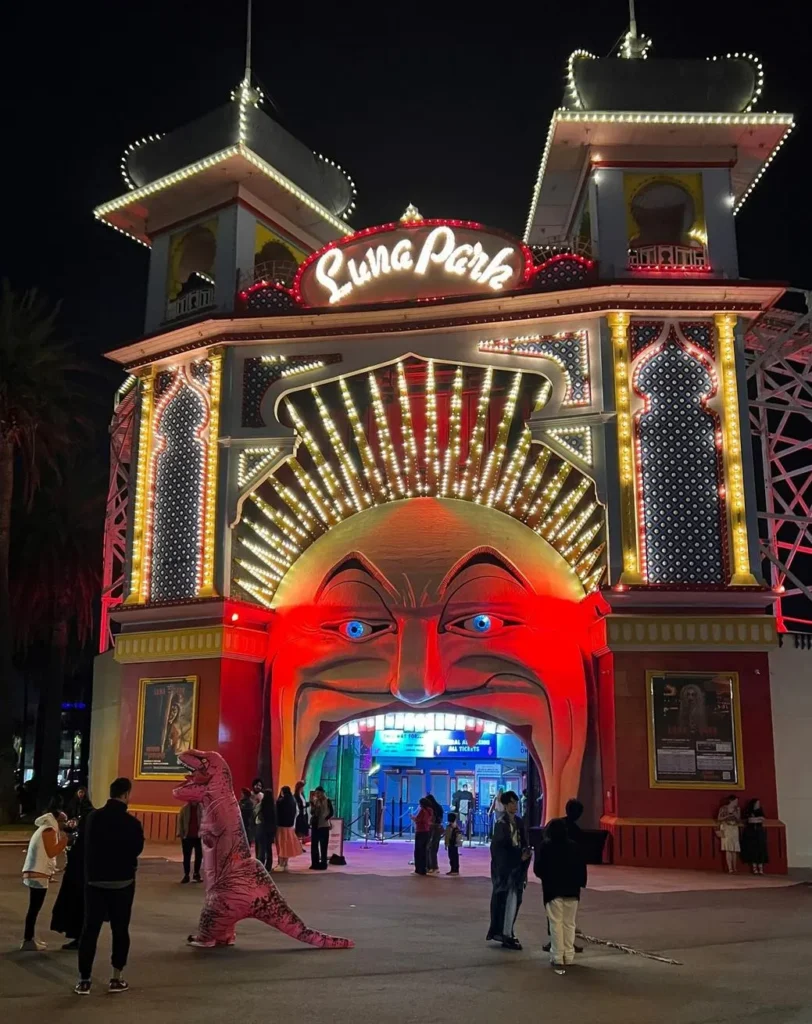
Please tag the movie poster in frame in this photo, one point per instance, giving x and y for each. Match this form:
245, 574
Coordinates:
694, 730
167, 723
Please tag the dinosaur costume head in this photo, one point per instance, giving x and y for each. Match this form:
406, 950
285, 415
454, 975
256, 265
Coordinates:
209, 778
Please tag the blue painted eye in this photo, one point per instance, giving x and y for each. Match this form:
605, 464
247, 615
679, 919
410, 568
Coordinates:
478, 623
355, 629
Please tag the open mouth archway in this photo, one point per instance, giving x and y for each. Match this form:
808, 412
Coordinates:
385, 763
432, 606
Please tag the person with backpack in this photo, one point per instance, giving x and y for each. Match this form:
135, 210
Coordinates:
561, 867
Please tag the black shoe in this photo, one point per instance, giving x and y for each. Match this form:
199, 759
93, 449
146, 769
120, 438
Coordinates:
511, 943
197, 878
73, 944
82, 988
493, 937
117, 985
547, 947
184, 880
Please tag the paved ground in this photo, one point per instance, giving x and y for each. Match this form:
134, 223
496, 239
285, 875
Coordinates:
421, 954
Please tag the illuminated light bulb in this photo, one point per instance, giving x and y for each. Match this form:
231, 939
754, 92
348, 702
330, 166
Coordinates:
452, 452
359, 496
531, 481
474, 460
314, 495
584, 564
493, 463
325, 470
542, 505
431, 453
510, 480
593, 580
368, 463
396, 488
410, 457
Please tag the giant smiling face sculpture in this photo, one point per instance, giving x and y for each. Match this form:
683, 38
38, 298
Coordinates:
433, 605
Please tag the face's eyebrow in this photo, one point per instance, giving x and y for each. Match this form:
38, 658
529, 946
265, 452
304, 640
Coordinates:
359, 563
481, 556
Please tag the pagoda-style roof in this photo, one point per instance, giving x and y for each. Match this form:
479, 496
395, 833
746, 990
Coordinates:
232, 150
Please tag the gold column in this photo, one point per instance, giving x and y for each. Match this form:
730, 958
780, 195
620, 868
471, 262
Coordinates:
732, 453
619, 328
209, 509
142, 495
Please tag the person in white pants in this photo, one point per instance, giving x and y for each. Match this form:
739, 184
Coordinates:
560, 866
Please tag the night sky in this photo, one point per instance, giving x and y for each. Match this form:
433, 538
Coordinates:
449, 113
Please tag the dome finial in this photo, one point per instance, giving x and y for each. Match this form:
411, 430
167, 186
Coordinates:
410, 215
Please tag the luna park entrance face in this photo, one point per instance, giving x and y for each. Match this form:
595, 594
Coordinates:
378, 768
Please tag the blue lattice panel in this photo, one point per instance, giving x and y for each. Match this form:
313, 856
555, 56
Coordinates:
680, 473
260, 372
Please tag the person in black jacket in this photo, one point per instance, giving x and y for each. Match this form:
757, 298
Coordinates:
561, 867
114, 840
510, 855
265, 828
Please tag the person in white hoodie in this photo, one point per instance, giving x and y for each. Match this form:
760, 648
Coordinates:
46, 844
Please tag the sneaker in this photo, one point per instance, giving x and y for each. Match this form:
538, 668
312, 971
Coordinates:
82, 988
117, 985
184, 880
511, 942
197, 878
73, 944
32, 945
454, 874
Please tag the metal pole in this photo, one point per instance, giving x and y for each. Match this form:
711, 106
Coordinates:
632, 21
247, 77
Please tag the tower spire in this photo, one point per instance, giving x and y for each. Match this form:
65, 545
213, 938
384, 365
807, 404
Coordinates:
247, 75
634, 46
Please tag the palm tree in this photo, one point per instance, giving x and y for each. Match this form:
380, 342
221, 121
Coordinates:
55, 585
37, 409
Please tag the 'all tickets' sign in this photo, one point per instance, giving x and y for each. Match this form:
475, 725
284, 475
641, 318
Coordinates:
412, 260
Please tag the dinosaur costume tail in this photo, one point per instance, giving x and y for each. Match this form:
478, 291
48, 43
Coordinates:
282, 917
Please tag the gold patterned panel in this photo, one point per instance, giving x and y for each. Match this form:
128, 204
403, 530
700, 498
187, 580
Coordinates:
686, 632
196, 642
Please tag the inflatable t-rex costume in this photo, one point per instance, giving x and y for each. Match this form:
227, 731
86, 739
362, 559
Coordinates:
237, 885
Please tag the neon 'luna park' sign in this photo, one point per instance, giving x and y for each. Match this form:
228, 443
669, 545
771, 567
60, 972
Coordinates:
413, 260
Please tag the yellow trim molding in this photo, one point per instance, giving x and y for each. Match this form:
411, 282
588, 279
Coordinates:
619, 328
688, 632
734, 473
149, 809
137, 577
192, 643
207, 588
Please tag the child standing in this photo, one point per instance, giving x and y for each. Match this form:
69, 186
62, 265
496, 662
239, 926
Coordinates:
561, 867
453, 842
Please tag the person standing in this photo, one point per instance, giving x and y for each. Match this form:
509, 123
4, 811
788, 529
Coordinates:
265, 829
49, 840
287, 845
561, 867
189, 821
422, 833
729, 820
321, 815
435, 836
754, 837
78, 806
247, 814
69, 908
114, 840
302, 825
453, 842
257, 793
510, 855
572, 814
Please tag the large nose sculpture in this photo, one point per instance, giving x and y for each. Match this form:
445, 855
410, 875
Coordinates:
418, 678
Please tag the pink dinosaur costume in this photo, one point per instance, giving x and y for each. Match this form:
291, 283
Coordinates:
237, 885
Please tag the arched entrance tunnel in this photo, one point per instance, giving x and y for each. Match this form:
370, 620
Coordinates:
377, 768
